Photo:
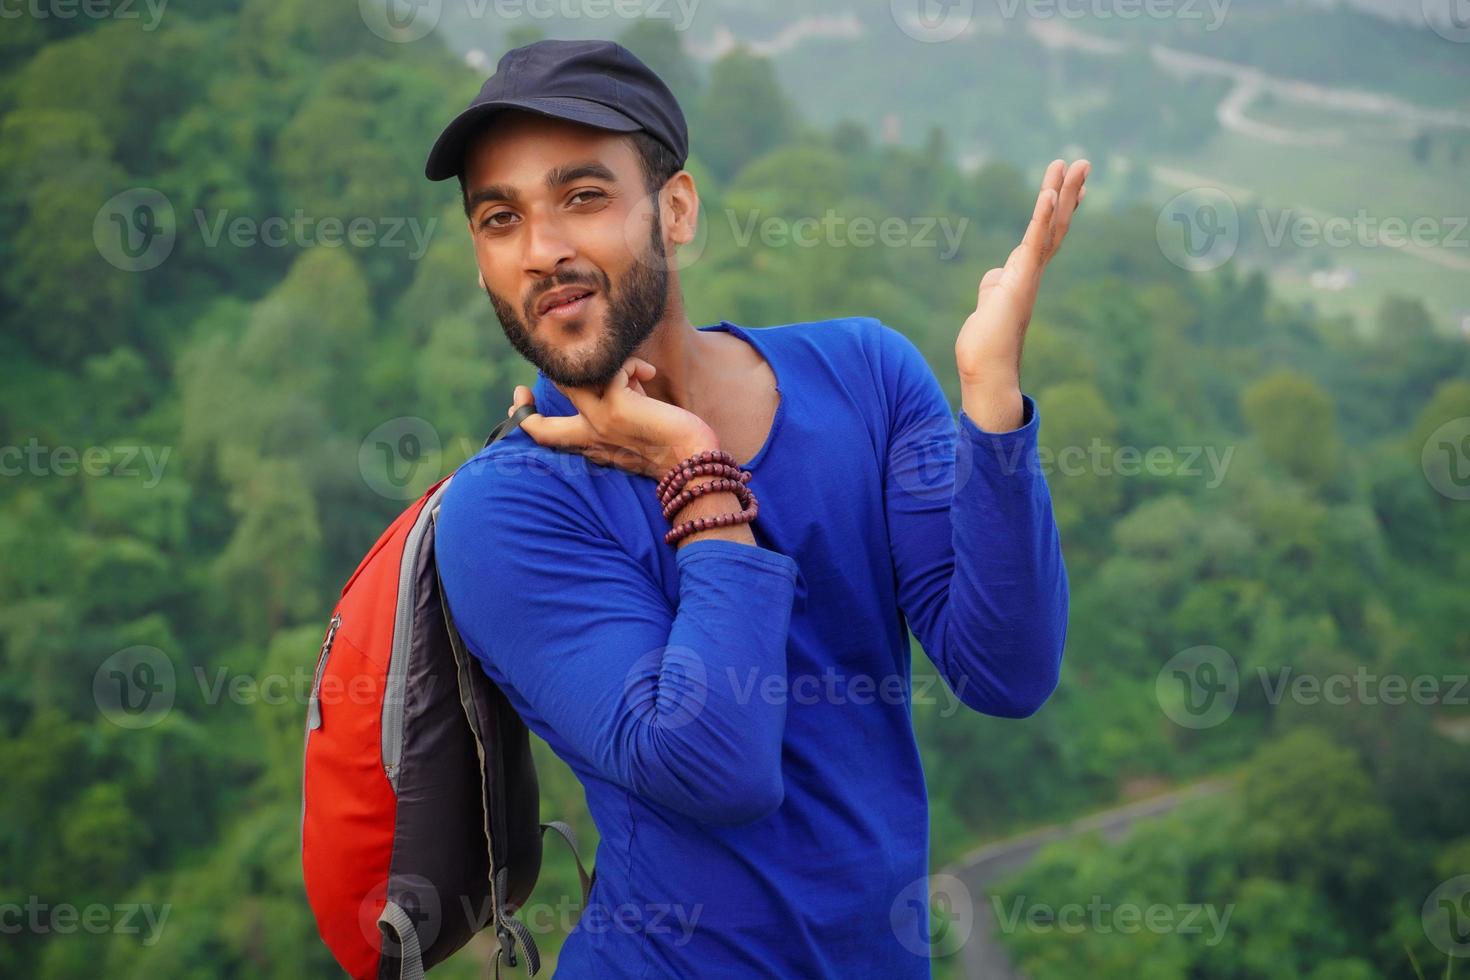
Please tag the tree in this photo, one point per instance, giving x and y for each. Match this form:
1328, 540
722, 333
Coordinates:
1081, 439
1293, 418
1310, 816
743, 111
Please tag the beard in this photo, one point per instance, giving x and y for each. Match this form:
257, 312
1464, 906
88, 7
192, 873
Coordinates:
633, 310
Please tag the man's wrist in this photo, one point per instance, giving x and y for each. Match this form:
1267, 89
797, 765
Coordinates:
684, 450
695, 438
995, 405
681, 447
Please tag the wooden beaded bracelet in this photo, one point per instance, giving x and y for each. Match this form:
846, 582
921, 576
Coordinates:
673, 497
678, 502
704, 469
684, 470
680, 531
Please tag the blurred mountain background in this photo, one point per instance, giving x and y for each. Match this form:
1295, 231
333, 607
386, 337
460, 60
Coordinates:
214, 395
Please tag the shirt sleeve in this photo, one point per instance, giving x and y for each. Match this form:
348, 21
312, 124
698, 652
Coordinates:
546, 595
976, 553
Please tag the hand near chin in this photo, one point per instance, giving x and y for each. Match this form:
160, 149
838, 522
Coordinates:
620, 424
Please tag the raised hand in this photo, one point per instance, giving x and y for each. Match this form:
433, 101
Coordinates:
988, 348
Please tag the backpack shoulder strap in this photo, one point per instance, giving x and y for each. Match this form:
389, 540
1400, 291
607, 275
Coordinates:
570, 836
503, 429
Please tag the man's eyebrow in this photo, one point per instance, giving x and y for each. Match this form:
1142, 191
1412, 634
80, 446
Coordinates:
558, 176
555, 177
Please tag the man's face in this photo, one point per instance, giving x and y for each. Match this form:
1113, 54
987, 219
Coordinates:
557, 209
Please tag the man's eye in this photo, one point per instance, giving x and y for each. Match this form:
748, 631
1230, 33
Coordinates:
594, 194
490, 222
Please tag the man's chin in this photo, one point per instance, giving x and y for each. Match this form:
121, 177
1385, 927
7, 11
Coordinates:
567, 363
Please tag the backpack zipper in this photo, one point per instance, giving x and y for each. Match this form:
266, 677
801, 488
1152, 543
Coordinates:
397, 683
314, 705
314, 711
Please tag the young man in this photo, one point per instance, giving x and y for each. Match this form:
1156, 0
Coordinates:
736, 703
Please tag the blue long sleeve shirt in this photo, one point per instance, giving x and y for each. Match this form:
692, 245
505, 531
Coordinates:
740, 716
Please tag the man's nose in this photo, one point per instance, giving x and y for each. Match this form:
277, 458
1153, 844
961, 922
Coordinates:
547, 248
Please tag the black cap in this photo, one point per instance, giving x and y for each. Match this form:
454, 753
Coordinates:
599, 83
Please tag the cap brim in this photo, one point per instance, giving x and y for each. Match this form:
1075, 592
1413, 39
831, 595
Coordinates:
446, 159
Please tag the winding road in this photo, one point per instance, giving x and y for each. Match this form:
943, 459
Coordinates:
983, 956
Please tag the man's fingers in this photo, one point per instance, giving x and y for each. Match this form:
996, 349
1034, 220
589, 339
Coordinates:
555, 431
1030, 252
521, 396
990, 278
643, 373
558, 431
1052, 179
642, 370
1052, 183
1071, 194
582, 397
632, 374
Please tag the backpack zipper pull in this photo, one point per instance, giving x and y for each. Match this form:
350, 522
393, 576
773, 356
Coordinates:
314, 703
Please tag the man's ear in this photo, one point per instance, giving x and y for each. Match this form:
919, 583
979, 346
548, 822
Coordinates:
479, 276
684, 205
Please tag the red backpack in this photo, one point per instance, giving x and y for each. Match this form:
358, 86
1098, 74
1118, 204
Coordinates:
420, 810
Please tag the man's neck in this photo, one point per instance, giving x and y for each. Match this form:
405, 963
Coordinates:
683, 357
717, 376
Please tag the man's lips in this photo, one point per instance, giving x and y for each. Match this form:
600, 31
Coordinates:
564, 300
566, 312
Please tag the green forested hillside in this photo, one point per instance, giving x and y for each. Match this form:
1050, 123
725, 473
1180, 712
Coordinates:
199, 360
